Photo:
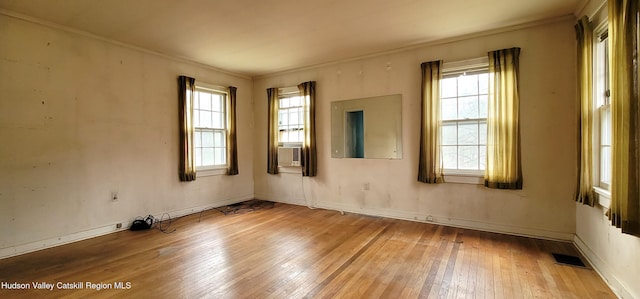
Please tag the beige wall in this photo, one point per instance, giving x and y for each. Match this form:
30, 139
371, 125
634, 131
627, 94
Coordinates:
80, 118
543, 208
615, 256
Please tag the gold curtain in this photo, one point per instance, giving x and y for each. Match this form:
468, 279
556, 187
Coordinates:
232, 140
623, 44
186, 90
430, 164
503, 125
272, 133
584, 35
309, 152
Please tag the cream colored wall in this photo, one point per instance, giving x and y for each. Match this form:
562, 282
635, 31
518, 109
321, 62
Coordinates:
545, 206
80, 118
615, 256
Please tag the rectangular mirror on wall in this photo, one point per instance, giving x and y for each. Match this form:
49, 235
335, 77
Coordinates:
368, 128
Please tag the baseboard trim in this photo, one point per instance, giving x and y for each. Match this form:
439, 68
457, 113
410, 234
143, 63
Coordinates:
107, 229
603, 269
441, 220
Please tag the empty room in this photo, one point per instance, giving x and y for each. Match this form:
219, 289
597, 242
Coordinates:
319, 149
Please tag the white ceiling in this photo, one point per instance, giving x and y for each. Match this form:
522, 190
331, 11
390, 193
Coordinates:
255, 37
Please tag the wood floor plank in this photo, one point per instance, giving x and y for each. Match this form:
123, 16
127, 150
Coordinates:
295, 252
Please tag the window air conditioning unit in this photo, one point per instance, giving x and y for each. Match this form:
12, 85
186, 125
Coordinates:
288, 156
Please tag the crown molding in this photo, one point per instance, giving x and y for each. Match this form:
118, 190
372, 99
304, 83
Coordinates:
90, 35
424, 44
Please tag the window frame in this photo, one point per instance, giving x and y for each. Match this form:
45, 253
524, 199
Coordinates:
601, 104
458, 68
214, 169
290, 92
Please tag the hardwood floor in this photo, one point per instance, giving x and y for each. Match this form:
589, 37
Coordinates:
294, 252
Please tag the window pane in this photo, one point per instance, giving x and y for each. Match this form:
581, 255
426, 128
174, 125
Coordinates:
293, 136
207, 156
295, 101
482, 157
284, 103
294, 116
283, 118
205, 101
196, 100
207, 139
284, 136
219, 139
449, 87
449, 109
449, 134
467, 85
464, 131
196, 139
300, 116
198, 156
468, 133
483, 83
605, 132
449, 157
468, 157
220, 156
196, 118
605, 164
216, 102
218, 121
468, 107
205, 119
483, 109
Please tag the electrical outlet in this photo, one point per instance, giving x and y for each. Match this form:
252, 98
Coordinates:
114, 196
430, 218
119, 225
365, 186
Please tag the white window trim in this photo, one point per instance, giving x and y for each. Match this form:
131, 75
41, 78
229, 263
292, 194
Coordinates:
211, 170
475, 177
603, 195
290, 169
461, 176
286, 92
290, 91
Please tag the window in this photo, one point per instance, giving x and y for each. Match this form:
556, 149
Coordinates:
602, 113
290, 117
210, 127
464, 94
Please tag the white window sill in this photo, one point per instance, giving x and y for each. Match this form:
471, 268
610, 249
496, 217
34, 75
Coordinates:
604, 197
464, 177
290, 169
210, 172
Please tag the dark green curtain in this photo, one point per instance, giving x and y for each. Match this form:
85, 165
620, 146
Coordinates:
430, 164
232, 141
584, 35
272, 130
625, 112
186, 90
309, 151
